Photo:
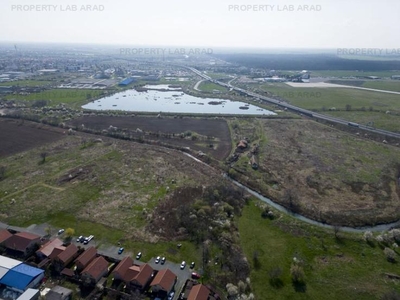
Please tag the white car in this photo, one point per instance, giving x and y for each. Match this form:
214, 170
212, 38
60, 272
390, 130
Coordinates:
157, 259
183, 265
61, 231
171, 296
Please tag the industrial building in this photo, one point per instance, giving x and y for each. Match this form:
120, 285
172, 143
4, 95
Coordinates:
18, 276
126, 81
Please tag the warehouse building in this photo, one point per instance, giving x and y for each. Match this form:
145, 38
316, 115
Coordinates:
126, 81
19, 276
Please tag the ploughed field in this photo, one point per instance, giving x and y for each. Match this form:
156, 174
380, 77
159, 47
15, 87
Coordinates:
210, 136
19, 135
325, 174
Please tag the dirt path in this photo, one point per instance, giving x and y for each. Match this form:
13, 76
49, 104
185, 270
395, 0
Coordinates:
196, 86
58, 189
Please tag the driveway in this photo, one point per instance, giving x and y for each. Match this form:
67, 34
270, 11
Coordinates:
182, 275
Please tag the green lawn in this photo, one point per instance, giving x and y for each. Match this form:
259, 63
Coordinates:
344, 268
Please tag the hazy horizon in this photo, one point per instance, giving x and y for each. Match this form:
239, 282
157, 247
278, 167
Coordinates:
229, 24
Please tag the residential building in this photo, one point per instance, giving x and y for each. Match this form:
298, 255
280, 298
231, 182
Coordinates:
47, 249
4, 235
22, 243
199, 292
94, 271
85, 258
164, 282
121, 269
66, 257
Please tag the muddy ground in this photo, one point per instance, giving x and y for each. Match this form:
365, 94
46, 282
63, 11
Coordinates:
20, 135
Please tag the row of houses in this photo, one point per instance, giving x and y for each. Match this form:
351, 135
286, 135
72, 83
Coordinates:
90, 267
142, 277
73, 262
83, 265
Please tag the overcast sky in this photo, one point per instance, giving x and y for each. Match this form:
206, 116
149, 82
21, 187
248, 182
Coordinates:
205, 23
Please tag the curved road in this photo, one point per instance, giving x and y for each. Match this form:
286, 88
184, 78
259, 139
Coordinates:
196, 86
297, 109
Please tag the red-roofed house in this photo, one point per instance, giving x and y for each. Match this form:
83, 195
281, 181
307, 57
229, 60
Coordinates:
85, 258
66, 257
163, 282
56, 251
199, 292
22, 243
94, 271
48, 248
142, 279
135, 276
122, 267
4, 235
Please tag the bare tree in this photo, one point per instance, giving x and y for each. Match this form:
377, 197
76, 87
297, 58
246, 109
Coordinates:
336, 230
43, 155
2, 172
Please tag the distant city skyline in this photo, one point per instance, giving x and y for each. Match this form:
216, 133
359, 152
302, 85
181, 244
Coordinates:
265, 24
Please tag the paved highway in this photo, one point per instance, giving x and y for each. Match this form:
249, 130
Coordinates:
306, 112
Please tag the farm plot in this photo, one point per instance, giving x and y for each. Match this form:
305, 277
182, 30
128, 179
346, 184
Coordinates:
210, 136
17, 136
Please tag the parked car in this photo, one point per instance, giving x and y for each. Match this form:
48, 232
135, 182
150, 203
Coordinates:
88, 239
163, 260
61, 231
195, 275
120, 250
171, 295
80, 239
183, 265
157, 259
139, 255
192, 265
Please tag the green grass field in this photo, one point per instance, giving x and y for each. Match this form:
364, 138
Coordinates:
26, 83
392, 85
335, 268
72, 97
364, 106
207, 86
317, 98
344, 73
388, 85
374, 119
